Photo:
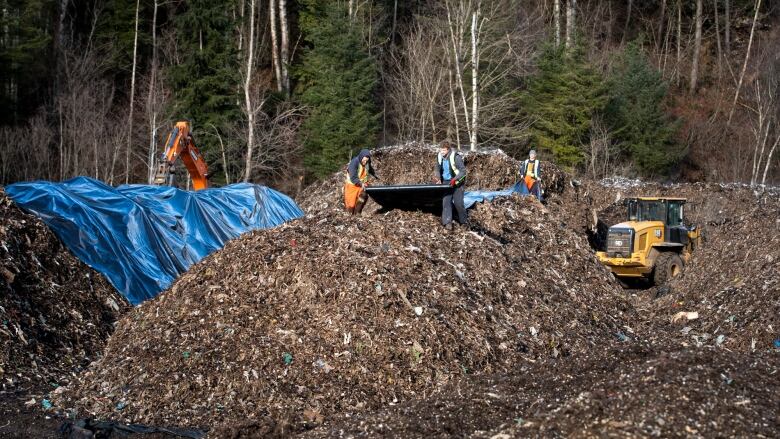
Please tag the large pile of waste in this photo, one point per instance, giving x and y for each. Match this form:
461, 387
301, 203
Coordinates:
731, 284
414, 163
632, 391
334, 313
56, 312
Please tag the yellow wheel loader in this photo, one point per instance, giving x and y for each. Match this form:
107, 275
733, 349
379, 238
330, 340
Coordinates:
654, 243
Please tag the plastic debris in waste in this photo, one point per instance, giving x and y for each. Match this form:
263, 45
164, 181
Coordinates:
46, 404
287, 358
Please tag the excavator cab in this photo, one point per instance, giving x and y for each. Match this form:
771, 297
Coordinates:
180, 144
654, 243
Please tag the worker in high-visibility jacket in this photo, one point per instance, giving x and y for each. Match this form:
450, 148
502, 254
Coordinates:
452, 171
529, 173
358, 170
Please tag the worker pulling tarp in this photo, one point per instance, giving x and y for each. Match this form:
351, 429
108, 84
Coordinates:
143, 237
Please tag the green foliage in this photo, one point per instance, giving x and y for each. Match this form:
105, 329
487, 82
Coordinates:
561, 99
337, 80
636, 113
206, 81
25, 57
115, 36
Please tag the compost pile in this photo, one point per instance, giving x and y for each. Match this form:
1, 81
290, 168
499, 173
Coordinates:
732, 281
635, 390
414, 163
56, 312
337, 314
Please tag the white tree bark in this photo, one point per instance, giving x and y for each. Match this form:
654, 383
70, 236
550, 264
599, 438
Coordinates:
696, 47
744, 65
285, 48
474, 78
150, 100
557, 19
250, 113
769, 160
132, 97
456, 36
571, 19
275, 44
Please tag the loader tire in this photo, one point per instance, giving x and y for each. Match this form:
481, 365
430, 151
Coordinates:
667, 266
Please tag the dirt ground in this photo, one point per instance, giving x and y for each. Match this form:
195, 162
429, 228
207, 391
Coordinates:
383, 325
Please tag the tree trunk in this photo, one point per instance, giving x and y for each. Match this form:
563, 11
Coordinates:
275, 44
696, 47
453, 28
744, 65
679, 41
132, 96
454, 109
728, 29
285, 52
628, 21
395, 17
250, 113
717, 39
769, 161
570, 5
557, 19
150, 99
474, 78
661, 22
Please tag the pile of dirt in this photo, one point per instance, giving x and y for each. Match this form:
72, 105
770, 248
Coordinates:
56, 313
340, 314
414, 163
633, 391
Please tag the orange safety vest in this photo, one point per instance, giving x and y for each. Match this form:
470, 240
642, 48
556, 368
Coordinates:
362, 174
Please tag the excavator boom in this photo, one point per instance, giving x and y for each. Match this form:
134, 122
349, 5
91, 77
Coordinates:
180, 145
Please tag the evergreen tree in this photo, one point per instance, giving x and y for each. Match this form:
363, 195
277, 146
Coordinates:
26, 59
561, 99
636, 113
205, 83
336, 82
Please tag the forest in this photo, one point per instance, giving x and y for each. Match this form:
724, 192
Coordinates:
284, 92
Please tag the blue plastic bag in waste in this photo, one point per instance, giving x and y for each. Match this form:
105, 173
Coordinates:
472, 197
143, 237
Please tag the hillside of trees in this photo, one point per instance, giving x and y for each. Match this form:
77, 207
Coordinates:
283, 92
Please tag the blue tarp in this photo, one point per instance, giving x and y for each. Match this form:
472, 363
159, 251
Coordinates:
472, 197
143, 237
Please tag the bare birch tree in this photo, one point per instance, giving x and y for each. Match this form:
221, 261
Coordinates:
275, 45
744, 65
132, 96
285, 47
249, 109
696, 48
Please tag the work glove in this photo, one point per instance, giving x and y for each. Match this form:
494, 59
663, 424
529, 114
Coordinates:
453, 182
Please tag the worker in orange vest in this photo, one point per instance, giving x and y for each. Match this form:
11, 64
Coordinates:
358, 170
529, 173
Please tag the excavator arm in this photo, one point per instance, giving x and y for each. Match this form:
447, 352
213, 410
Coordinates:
181, 145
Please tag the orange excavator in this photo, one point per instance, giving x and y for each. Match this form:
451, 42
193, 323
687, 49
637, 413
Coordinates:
180, 144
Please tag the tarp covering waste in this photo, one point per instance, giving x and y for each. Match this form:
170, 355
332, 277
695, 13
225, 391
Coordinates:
419, 196
143, 237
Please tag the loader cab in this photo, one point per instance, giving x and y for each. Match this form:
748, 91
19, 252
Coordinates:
668, 211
